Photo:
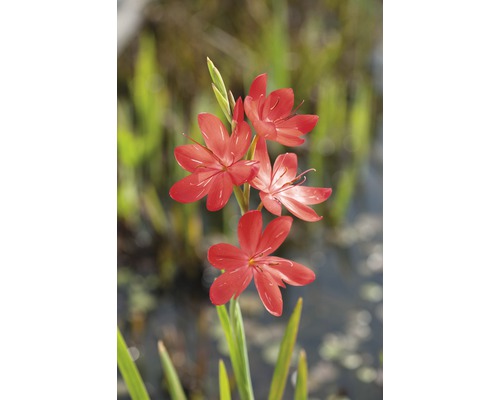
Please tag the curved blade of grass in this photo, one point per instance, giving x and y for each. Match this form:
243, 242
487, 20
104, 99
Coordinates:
301, 386
241, 345
285, 355
233, 351
129, 371
224, 387
174, 384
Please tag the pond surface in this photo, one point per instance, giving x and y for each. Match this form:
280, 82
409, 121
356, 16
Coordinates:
341, 325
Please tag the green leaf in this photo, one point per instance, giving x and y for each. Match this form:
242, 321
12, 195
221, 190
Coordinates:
129, 371
301, 386
233, 354
224, 387
285, 355
232, 103
237, 361
239, 333
174, 384
219, 89
216, 77
223, 103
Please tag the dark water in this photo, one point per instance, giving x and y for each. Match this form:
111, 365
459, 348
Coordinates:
341, 325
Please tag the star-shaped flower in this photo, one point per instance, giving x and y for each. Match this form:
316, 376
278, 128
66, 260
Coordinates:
278, 186
253, 260
272, 116
218, 166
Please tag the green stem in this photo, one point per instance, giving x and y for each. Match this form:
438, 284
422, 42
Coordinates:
240, 197
260, 206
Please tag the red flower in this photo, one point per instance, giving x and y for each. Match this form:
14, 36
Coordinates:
272, 116
253, 260
216, 167
277, 185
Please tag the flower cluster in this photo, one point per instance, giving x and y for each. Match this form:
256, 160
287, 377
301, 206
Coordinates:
224, 163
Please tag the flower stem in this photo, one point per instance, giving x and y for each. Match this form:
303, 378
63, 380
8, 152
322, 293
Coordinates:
241, 199
260, 206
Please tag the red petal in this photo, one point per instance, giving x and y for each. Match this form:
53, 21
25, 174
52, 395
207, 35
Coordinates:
272, 205
289, 271
243, 171
274, 235
284, 170
214, 132
230, 284
289, 140
258, 86
278, 104
219, 192
269, 292
249, 231
251, 106
304, 123
192, 156
262, 156
226, 256
297, 208
265, 129
309, 195
192, 187
240, 141
238, 114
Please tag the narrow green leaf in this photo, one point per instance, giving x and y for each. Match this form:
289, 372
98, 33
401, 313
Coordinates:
224, 387
285, 355
216, 77
233, 351
232, 103
174, 384
301, 386
239, 333
129, 371
223, 103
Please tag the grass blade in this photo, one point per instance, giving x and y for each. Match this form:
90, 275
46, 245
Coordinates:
233, 351
224, 387
301, 386
241, 346
174, 384
285, 355
129, 371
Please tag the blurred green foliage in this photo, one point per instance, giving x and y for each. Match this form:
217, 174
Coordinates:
323, 49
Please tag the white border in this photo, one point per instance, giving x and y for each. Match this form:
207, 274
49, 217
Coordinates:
58, 199
441, 200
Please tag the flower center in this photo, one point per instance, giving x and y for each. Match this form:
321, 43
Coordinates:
254, 264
